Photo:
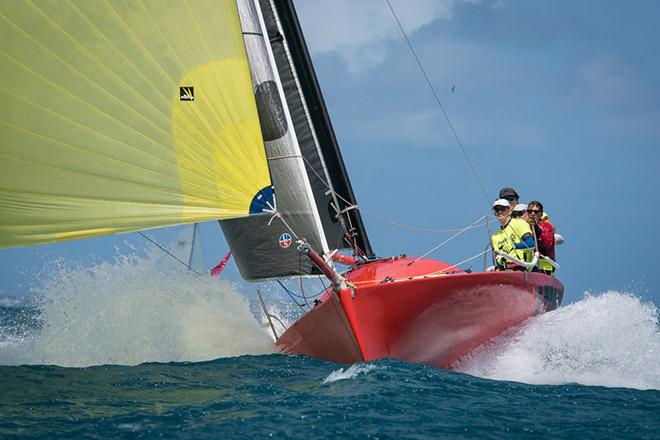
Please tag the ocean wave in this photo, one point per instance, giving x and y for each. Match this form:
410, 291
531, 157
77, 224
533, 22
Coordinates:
611, 339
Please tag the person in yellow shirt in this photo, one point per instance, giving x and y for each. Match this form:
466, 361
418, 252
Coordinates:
514, 238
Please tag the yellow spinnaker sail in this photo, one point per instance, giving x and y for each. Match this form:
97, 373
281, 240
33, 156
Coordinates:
118, 115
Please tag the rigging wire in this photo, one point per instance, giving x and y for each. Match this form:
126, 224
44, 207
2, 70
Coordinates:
445, 271
168, 253
382, 219
464, 261
438, 246
435, 95
419, 229
302, 287
296, 295
291, 295
323, 284
446, 241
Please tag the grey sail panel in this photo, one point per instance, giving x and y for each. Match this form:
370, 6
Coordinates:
317, 172
257, 253
262, 250
316, 136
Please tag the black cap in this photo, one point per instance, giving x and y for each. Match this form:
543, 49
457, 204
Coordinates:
507, 193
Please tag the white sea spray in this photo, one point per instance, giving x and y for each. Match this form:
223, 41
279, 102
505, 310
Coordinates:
611, 339
134, 310
9, 301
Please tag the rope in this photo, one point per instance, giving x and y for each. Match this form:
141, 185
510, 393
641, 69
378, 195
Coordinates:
435, 95
428, 275
448, 240
302, 287
279, 215
468, 259
439, 246
384, 220
323, 284
291, 295
419, 229
490, 244
169, 253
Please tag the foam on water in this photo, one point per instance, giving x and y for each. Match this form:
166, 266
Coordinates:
136, 310
350, 373
8, 301
611, 339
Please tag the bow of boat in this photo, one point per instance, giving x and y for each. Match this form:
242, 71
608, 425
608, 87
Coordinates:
422, 311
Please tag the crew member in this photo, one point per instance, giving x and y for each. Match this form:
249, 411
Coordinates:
545, 235
510, 195
519, 211
514, 237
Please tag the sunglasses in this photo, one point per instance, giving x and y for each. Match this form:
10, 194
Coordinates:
509, 198
500, 208
533, 211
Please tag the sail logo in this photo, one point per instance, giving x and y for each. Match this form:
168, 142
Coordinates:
285, 240
187, 93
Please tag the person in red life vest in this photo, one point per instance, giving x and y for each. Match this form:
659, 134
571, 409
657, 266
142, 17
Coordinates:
545, 235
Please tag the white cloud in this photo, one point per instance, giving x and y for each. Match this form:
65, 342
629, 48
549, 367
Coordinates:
358, 30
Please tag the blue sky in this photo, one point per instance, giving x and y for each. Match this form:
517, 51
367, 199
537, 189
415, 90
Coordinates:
560, 100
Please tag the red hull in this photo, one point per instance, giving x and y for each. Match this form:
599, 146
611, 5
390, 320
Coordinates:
429, 319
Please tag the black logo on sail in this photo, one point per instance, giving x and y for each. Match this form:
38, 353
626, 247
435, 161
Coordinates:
187, 93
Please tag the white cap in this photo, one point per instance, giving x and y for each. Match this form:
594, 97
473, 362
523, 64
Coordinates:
502, 202
520, 207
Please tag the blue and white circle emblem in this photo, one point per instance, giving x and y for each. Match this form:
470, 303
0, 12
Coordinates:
285, 240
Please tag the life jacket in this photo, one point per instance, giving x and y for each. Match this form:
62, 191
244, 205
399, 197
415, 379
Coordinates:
548, 230
506, 239
545, 266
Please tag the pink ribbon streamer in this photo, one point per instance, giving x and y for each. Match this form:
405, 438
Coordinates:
217, 270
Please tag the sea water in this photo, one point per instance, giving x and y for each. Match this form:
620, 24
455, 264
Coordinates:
127, 349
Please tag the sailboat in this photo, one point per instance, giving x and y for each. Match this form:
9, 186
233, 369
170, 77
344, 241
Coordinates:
121, 116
